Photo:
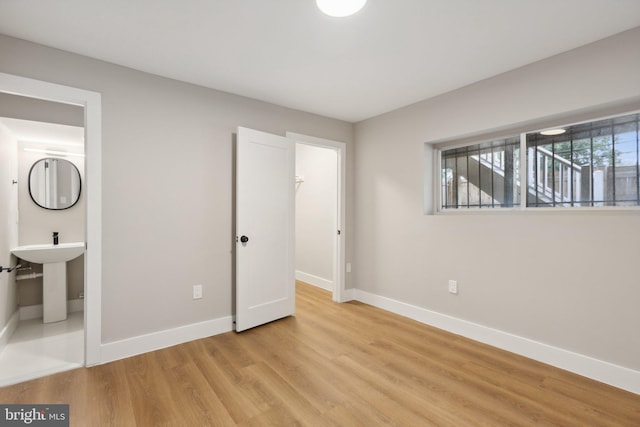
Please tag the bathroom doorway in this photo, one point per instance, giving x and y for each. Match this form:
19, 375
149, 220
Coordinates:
85, 316
320, 213
41, 156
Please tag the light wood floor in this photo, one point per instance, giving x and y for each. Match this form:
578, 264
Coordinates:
330, 365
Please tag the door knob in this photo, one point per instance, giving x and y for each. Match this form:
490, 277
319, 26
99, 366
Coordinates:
244, 239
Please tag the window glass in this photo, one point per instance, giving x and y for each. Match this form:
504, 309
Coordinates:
590, 164
481, 175
593, 164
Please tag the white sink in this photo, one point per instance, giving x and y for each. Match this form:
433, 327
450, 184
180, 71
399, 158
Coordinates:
54, 269
43, 254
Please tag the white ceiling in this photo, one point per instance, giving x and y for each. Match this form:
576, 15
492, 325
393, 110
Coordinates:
393, 53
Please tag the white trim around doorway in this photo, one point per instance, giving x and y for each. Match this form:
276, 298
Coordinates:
92, 103
339, 292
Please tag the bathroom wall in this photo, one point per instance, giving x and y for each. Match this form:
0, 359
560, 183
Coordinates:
167, 185
316, 210
8, 226
37, 224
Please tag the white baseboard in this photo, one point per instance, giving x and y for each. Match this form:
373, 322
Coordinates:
349, 295
155, 341
9, 329
36, 311
315, 280
608, 373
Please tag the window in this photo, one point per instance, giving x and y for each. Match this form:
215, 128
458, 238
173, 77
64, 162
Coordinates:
584, 165
482, 176
591, 164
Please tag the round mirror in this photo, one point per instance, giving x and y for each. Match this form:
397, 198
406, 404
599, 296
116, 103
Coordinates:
54, 183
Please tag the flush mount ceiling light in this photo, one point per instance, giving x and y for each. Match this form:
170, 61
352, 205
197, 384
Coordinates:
340, 8
550, 132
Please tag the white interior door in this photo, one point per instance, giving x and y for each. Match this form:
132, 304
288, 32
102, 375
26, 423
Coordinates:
265, 228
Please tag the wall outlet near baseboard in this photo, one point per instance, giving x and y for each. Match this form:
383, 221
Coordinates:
197, 291
453, 287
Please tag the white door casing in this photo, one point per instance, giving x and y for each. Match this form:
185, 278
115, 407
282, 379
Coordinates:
339, 292
92, 103
265, 228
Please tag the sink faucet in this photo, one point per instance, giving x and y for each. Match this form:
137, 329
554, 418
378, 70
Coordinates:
55, 237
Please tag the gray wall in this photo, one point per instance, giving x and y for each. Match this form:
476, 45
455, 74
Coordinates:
568, 280
167, 184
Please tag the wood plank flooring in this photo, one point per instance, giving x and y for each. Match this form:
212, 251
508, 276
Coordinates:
330, 365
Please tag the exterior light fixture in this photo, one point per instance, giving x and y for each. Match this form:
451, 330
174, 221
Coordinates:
550, 132
340, 8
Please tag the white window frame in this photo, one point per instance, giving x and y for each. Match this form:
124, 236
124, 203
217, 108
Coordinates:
437, 149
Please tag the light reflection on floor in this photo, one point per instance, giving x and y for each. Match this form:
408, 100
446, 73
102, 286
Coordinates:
36, 349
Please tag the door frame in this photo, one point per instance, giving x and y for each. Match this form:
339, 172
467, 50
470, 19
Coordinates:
339, 263
92, 104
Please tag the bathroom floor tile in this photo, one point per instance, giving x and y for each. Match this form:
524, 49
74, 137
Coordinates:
37, 349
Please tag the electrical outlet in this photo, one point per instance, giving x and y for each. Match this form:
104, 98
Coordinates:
453, 287
197, 291
348, 267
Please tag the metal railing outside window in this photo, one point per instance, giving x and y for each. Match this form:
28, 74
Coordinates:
482, 175
589, 164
